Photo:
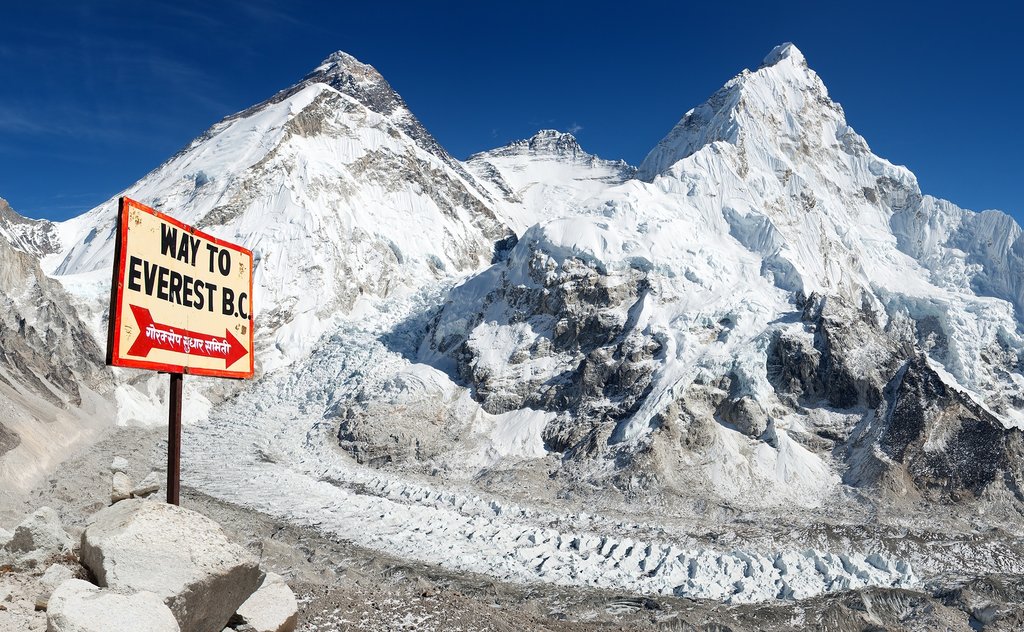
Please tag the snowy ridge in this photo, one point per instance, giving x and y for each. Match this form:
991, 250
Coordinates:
36, 237
544, 177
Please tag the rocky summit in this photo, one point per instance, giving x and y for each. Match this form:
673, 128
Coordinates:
759, 381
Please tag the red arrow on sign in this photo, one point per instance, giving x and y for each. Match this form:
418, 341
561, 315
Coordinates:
158, 336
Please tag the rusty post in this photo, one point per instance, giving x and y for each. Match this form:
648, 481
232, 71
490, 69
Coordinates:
174, 440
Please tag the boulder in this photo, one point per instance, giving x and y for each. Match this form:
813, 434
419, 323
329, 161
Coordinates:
147, 486
180, 555
51, 579
272, 608
78, 606
120, 487
746, 415
119, 464
39, 538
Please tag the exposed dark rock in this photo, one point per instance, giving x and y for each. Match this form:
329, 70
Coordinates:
851, 359
576, 313
745, 414
948, 443
793, 367
8, 440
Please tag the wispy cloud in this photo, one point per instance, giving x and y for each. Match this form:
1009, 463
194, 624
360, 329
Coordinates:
98, 127
575, 128
14, 122
268, 13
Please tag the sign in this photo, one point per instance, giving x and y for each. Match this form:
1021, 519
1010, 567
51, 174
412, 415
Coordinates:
181, 300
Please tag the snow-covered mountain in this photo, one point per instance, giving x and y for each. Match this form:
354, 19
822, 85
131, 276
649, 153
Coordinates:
341, 194
745, 316
746, 302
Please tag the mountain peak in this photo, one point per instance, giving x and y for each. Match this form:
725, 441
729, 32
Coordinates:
554, 142
784, 51
345, 73
546, 142
338, 57
340, 63
365, 84
780, 98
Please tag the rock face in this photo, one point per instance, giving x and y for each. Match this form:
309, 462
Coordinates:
46, 349
49, 360
39, 538
34, 236
272, 608
180, 555
78, 606
948, 445
568, 348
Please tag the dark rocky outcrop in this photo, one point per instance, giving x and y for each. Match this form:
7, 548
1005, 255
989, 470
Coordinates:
581, 319
851, 359
948, 444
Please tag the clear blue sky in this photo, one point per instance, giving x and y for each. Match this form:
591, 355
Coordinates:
96, 94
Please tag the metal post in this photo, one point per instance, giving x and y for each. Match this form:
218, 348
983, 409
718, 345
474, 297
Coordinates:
174, 440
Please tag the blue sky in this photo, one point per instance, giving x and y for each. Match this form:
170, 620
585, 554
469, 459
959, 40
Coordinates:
96, 94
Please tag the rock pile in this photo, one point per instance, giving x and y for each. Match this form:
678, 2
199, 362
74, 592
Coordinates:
177, 554
156, 567
36, 545
121, 487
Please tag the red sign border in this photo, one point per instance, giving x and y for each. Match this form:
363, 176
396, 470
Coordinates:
114, 357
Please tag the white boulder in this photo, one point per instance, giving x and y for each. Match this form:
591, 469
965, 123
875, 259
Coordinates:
39, 538
147, 486
119, 464
53, 577
78, 606
120, 487
272, 608
178, 554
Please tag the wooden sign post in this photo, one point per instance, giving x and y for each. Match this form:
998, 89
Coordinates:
180, 302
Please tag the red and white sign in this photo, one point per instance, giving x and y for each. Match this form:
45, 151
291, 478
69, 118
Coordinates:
181, 300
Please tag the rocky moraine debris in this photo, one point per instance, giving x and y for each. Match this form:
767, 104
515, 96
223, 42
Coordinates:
139, 565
